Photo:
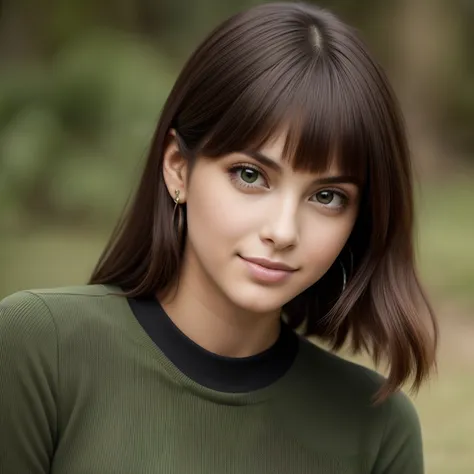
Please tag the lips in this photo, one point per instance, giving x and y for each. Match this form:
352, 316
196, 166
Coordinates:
267, 272
270, 264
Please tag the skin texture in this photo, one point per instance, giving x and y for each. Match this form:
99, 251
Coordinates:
267, 212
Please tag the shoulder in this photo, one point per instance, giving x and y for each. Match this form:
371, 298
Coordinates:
342, 377
41, 298
39, 309
389, 431
24, 317
400, 448
348, 381
66, 292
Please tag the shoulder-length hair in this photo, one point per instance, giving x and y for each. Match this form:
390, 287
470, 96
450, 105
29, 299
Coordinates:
293, 65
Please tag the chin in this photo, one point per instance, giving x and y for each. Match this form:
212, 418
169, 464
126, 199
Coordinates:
258, 300
260, 308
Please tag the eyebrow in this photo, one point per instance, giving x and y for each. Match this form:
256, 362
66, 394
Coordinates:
265, 161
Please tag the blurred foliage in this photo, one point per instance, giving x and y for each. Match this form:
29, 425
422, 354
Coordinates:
72, 133
82, 84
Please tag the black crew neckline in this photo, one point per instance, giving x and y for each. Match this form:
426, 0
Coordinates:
220, 373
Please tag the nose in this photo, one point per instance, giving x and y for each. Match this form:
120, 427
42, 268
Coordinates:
280, 229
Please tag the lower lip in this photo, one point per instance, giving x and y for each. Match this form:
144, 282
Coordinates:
266, 275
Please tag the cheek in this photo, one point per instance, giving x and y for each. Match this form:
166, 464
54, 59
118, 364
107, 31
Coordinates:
216, 215
322, 244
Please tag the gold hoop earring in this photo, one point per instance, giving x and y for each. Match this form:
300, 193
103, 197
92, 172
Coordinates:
180, 214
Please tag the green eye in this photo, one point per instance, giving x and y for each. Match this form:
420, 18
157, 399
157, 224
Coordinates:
331, 199
325, 197
249, 175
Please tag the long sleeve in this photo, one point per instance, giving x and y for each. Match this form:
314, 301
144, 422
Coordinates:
401, 451
28, 385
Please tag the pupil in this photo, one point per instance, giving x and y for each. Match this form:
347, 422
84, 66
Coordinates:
249, 175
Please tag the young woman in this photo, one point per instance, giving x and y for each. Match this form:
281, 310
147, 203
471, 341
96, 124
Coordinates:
276, 202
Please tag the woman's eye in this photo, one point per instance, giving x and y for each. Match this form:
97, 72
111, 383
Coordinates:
247, 176
331, 199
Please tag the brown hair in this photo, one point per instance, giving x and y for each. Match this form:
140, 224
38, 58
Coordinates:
294, 65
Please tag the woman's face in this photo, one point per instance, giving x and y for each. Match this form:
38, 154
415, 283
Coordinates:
261, 233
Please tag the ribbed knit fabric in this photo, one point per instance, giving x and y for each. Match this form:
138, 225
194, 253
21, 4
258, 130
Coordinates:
84, 390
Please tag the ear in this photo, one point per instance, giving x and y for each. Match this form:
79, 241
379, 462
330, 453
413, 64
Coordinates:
175, 168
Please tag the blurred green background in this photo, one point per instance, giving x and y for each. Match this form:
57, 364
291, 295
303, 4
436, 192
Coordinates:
81, 86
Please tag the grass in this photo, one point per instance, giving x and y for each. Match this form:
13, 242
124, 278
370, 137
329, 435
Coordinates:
447, 416
446, 238
48, 258
55, 257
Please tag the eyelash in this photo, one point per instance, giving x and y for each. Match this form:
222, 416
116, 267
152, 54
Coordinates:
234, 169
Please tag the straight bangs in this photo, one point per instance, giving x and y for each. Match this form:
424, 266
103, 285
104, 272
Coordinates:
318, 108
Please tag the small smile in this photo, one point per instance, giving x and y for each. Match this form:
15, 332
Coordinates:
271, 264
267, 271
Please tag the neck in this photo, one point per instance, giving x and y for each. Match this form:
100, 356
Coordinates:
200, 310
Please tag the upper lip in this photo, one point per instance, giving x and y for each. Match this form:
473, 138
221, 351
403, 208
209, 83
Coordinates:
264, 262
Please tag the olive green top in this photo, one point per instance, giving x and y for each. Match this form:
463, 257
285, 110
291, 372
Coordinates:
85, 390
